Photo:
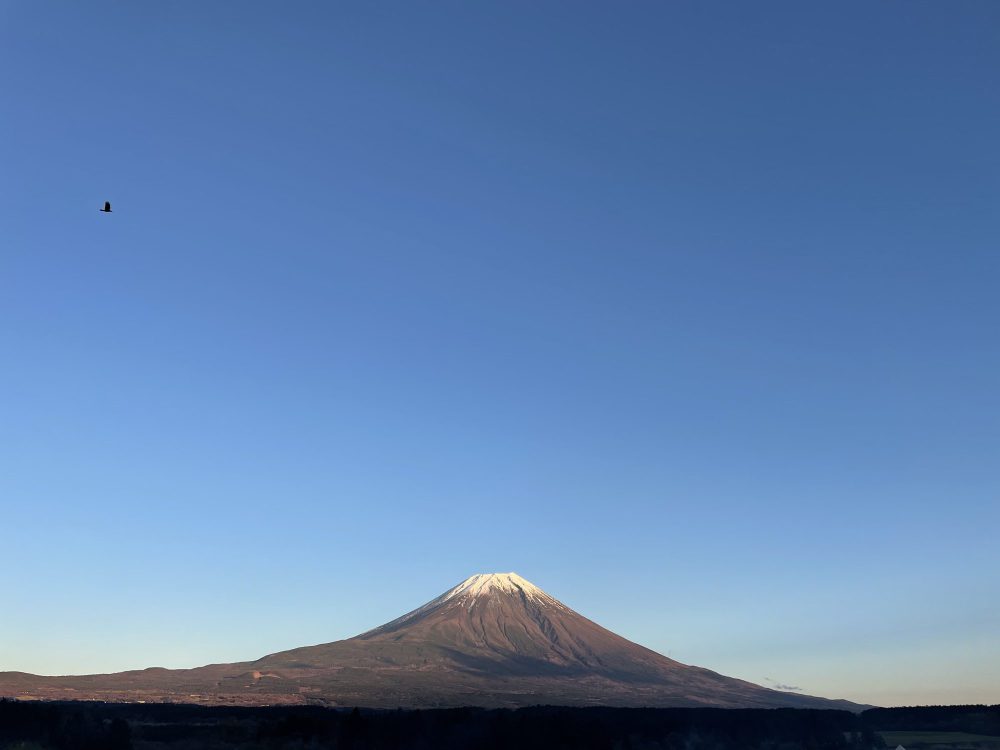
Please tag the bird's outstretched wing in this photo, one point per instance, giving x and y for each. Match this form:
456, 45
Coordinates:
107, 206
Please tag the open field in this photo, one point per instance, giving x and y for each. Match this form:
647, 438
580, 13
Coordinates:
916, 739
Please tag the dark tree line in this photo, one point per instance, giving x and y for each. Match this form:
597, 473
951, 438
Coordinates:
62, 727
98, 726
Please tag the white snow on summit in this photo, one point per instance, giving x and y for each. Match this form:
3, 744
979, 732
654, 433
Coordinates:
474, 588
485, 583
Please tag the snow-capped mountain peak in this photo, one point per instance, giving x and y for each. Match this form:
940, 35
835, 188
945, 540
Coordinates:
493, 640
483, 584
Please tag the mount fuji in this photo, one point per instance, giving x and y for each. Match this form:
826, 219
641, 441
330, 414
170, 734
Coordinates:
493, 640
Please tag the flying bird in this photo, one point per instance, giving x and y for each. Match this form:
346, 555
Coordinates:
107, 207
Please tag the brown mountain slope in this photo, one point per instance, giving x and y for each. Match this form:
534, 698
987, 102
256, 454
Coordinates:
493, 640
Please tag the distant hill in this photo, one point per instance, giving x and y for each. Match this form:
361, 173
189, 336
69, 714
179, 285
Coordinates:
494, 640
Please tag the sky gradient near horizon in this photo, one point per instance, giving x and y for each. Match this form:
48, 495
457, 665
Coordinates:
686, 312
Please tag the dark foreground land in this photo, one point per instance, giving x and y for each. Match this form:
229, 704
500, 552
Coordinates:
109, 726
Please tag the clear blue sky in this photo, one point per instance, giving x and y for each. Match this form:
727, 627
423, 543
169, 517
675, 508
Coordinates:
686, 312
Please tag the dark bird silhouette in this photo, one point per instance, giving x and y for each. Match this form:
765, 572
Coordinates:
107, 207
